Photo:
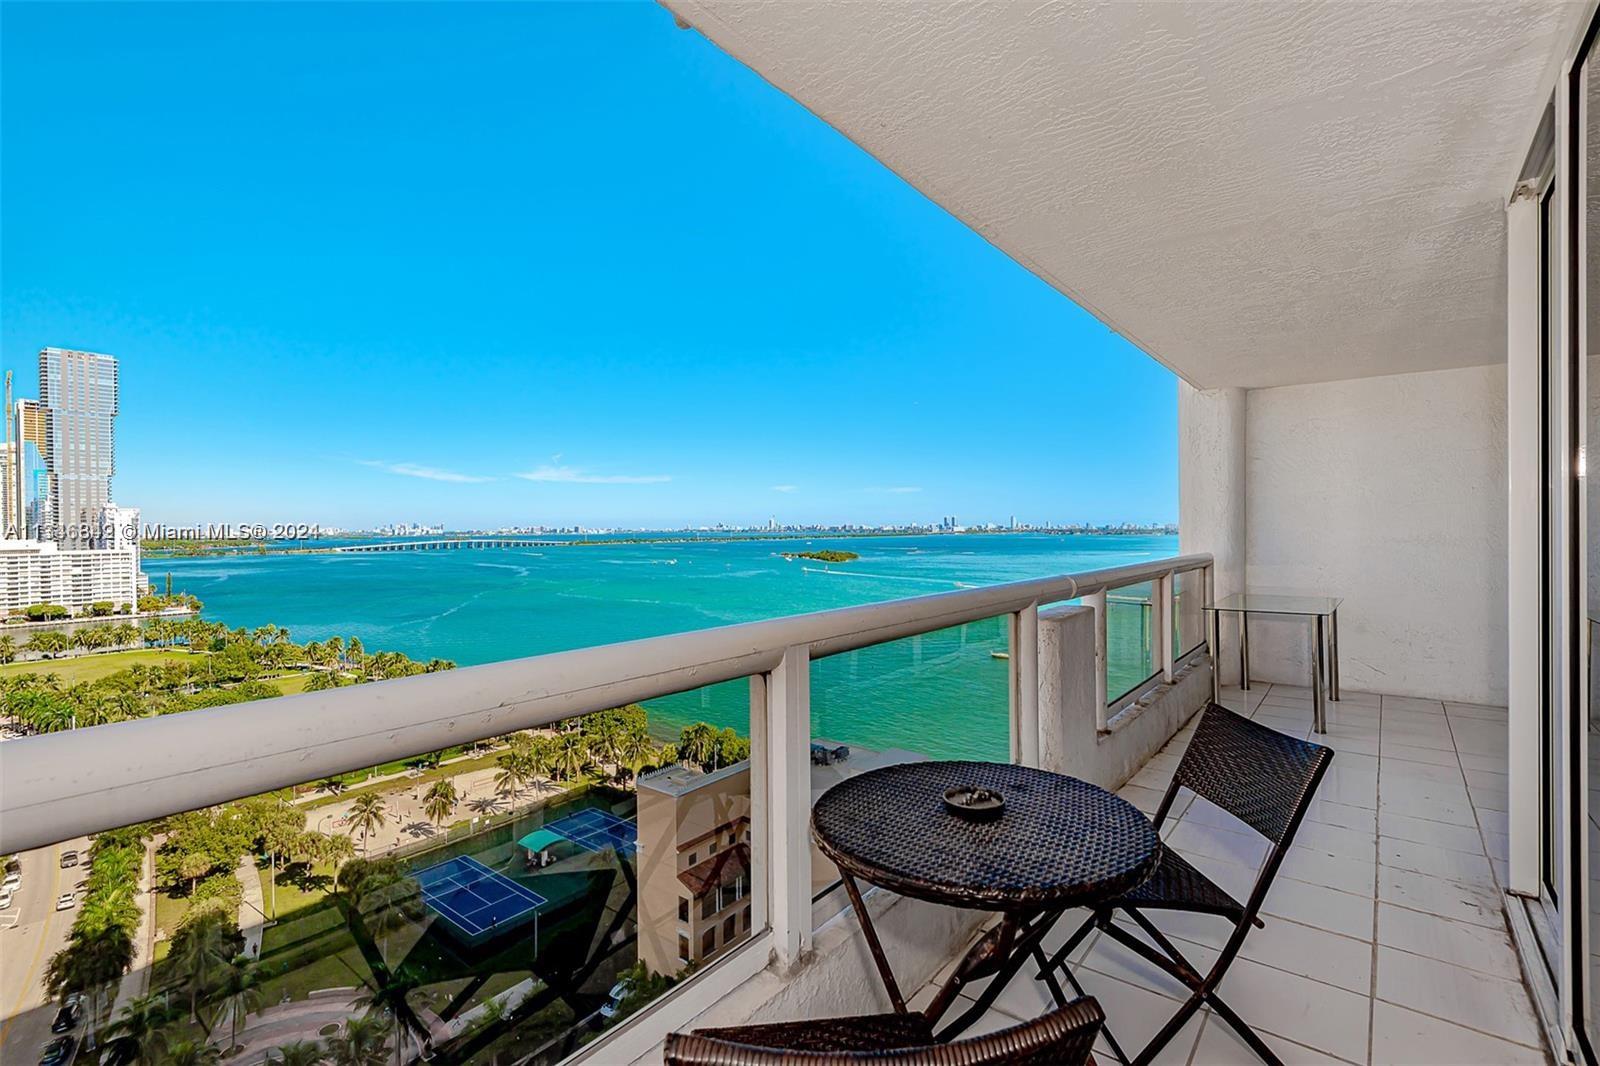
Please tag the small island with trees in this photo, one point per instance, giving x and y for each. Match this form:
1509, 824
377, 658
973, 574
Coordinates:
827, 555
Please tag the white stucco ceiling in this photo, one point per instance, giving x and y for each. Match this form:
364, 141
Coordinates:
1255, 194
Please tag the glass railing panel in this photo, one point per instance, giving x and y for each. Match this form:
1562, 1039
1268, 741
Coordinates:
1188, 614
1130, 635
506, 901
939, 695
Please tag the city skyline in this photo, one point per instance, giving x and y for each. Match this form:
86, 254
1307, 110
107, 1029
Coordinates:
638, 287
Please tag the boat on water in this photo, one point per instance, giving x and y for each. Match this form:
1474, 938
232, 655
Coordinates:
999, 655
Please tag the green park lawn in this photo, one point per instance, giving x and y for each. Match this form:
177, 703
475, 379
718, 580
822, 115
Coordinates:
295, 890
289, 684
94, 667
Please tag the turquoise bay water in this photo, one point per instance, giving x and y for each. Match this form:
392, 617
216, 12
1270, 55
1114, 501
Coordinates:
942, 694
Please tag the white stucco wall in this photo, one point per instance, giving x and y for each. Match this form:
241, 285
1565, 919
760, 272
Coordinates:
1390, 492
1211, 487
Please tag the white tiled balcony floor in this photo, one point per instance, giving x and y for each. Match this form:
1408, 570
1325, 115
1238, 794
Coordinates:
1385, 940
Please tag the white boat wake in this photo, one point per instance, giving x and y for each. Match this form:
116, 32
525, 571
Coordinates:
891, 577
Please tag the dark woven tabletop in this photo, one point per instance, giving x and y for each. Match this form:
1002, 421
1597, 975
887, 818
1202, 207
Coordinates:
1059, 842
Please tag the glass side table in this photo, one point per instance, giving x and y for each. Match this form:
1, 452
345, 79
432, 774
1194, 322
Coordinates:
1323, 611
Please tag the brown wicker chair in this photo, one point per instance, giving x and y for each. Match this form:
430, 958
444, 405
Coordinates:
1064, 1037
1265, 779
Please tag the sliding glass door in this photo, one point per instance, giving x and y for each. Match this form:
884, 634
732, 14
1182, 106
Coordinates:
1554, 604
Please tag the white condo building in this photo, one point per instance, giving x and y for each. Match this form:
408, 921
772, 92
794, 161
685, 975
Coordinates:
33, 571
65, 542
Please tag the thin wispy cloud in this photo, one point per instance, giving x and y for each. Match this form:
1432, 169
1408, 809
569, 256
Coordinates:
784, 488
427, 473
567, 475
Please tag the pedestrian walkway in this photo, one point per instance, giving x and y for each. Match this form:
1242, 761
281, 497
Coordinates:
252, 908
286, 1023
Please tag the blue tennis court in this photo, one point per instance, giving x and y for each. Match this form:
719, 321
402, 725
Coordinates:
595, 830
474, 900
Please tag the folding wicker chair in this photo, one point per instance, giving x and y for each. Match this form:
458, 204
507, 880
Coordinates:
1266, 780
1064, 1037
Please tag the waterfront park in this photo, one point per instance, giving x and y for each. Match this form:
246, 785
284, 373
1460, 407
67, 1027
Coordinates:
311, 924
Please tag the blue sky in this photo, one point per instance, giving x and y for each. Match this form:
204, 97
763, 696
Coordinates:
526, 263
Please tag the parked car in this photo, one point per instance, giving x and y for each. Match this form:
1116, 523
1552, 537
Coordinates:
66, 901
69, 859
59, 1051
67, 1018
7, 895
12, 880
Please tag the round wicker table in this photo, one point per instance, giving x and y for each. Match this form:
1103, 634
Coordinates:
1059, 843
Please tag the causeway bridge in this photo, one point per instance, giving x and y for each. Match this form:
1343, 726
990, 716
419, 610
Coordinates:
448, 544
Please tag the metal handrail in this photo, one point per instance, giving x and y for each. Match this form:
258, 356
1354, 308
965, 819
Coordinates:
62, 785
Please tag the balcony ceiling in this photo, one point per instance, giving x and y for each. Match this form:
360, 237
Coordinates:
1255, 194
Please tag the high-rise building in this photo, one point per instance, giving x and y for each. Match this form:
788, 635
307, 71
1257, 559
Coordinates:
78, 392
28, 478
10, 528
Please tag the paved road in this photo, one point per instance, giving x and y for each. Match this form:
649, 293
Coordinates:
25, 948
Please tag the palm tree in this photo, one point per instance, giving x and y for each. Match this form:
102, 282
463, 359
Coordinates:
361, 1043
297, 1053
137, 1033
541, 755
637, 749
284, 825
516, 773
604, 736
92, 960
388, 996
49, 643
202, 952
336, 850
108, 908
8, 648
184, 1051
571, 755
321, 681
239, 992
440, 802
698, 743
367, 813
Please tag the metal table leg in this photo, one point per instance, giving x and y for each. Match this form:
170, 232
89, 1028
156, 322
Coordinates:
1333, 656
1319, 708
1014, 942
1213, 645
1244, 650
871, 934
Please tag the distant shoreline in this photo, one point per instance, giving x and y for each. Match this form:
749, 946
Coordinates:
581, 541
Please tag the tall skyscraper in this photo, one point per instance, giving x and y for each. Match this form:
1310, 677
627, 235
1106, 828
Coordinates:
78, 392
30, 484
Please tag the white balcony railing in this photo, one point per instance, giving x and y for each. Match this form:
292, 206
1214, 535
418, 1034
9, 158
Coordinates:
59, 786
